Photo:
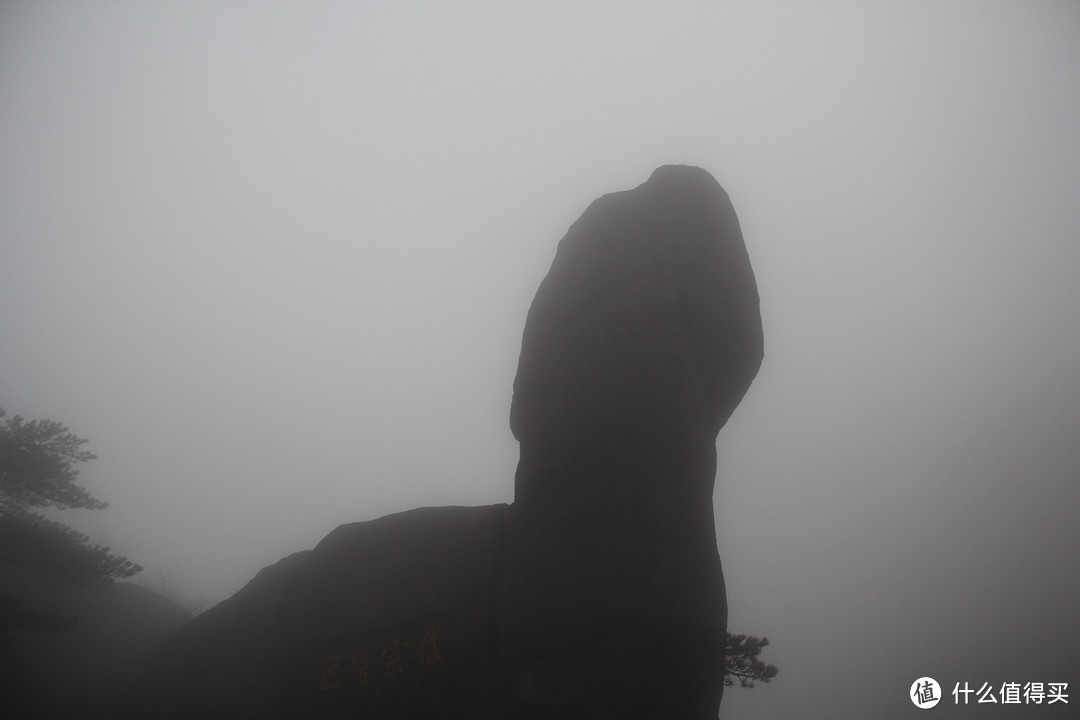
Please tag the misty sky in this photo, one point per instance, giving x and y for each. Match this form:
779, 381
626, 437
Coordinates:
274, 261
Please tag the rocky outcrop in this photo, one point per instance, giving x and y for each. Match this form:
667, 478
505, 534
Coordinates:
395, 616
648, 315
642, 339
598, 593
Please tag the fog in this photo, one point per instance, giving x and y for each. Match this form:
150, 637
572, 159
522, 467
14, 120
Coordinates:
274, 261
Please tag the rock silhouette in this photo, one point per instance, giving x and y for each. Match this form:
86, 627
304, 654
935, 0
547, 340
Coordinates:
642, 339
598, 593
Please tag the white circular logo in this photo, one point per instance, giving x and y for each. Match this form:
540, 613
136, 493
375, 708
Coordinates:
925, 693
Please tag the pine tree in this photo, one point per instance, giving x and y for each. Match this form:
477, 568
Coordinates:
742, 663
38, 470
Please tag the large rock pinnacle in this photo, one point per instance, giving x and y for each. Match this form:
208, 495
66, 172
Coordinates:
598, 593
649, 314
641, 340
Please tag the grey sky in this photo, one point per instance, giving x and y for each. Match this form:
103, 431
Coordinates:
274, 261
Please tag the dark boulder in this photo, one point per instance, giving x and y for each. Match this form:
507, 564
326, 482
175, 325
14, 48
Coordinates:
642, 339
648, 315
394, 615
599, 592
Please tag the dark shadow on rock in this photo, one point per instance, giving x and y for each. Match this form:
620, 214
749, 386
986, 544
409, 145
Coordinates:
599, 592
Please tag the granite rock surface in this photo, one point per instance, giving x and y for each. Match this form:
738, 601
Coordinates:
599, 592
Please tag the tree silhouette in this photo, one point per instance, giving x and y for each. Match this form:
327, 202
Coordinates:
37, 470
742, 663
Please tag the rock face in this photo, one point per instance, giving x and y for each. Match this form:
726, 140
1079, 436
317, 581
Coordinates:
642, 339
393, 617
599, 592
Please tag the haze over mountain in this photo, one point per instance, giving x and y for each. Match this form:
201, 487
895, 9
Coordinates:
274, 259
